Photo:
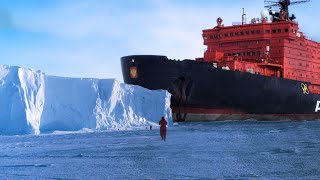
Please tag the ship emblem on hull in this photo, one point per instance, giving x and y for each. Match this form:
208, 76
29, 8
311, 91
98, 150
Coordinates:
317, 107
305, 89
133, 72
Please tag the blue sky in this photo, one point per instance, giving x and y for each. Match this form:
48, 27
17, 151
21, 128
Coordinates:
81, 38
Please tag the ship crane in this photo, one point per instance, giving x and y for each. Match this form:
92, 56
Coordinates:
284, 5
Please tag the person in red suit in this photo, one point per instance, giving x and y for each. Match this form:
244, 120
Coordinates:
163, 128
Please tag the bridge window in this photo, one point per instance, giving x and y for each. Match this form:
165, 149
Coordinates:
274, 31
267, 31
226, 35
258, 31
252, 32
286, 30
247, 32
279, 30
211, 37
241, 33
237, 33
231, 34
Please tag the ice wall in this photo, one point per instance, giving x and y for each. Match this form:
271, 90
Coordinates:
32, 102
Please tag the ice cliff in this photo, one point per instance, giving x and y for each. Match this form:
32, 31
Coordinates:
32, 102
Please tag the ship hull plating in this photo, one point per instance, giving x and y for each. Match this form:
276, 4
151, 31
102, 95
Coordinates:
203, 92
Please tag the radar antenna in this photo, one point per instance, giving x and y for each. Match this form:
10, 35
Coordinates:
284, 5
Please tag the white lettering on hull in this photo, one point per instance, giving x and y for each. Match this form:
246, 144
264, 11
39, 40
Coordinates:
317, 106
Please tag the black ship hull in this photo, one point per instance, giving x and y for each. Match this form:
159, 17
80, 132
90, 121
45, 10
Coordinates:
202, 92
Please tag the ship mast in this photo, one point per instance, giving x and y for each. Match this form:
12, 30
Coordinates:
244, 17
284, 7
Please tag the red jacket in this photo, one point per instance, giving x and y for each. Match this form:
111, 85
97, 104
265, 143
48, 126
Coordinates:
163, 123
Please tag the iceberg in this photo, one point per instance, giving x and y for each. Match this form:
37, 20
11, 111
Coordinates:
33, 102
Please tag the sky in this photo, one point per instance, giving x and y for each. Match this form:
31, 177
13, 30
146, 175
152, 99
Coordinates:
81, 38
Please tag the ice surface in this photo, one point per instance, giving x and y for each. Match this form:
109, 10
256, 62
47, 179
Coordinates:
32, 102
207, 150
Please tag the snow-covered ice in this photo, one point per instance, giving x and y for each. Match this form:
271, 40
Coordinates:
33, 102
206, 150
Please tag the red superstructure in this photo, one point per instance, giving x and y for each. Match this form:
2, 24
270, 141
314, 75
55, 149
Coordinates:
275, 48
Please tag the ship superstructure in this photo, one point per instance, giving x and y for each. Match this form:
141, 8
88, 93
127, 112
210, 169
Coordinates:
277, 48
